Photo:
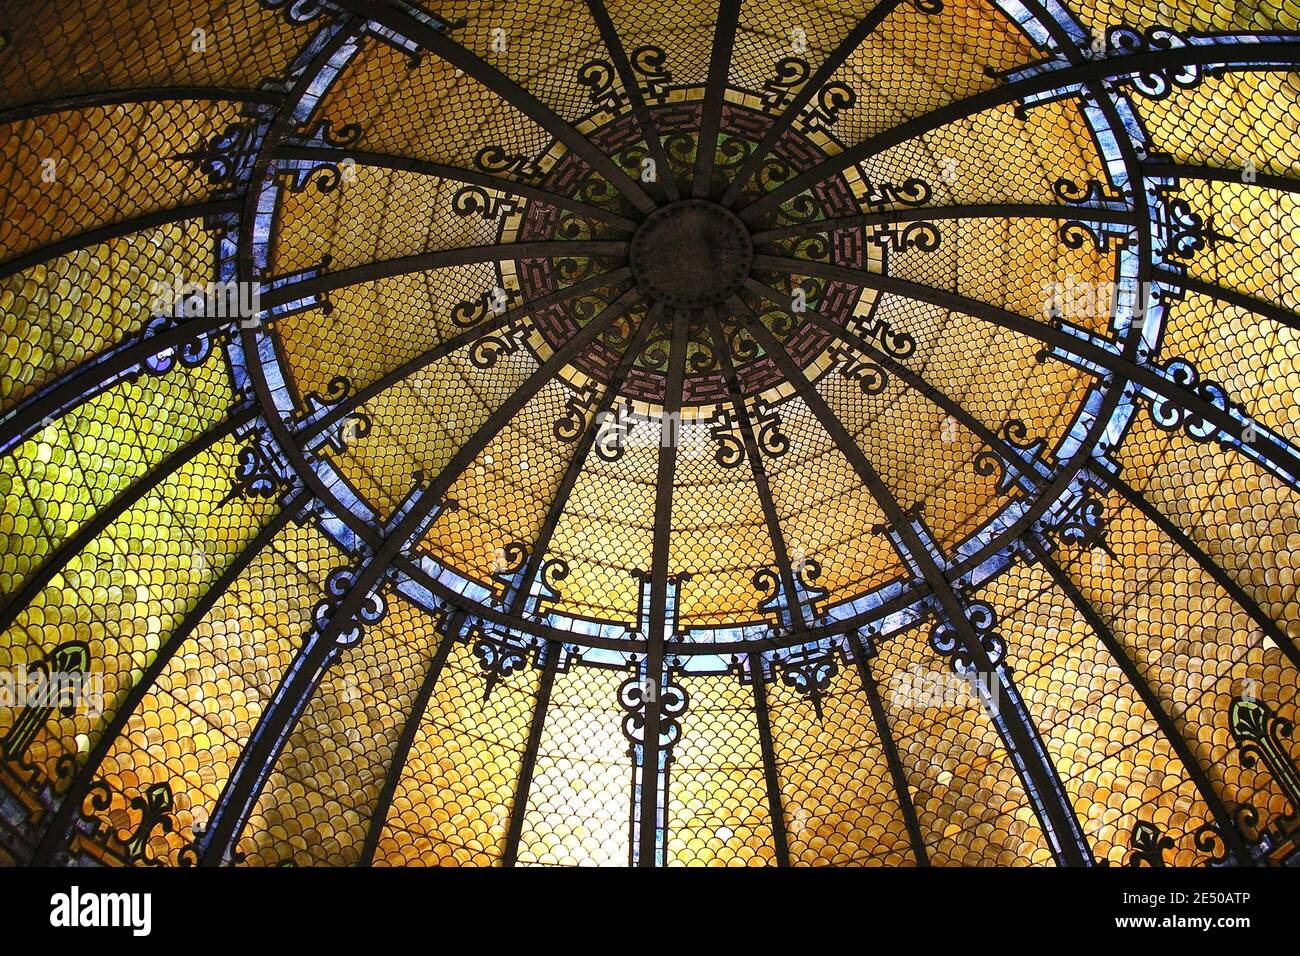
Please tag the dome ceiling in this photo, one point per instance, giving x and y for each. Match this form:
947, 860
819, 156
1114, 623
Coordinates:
598, 433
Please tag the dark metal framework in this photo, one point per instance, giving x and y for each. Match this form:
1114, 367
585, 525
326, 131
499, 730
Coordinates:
938, 585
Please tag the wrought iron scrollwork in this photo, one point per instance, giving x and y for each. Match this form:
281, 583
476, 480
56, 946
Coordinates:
910, 192
856, 367
578, 408
497, 658
791, 73
297, 12
371, 611
488, 350
772, 440
1170, 416
1153, 84
54, 682
1084, 523
495, 160
472, 312
1090, 192
809, 673
946, 641
155, 806
349, 428
1075, 233
729, 450
191, 353
899, 345
227, 158
477, 201
832, 100
638, 694
922, 236
1259, 733
1148, 844
597, 77
648, 63
260, 470
613, 433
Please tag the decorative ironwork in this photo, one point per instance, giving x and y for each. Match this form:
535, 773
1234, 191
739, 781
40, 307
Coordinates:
227, 158
730, 447
648, 63
899, 345
772, 441
1171, 416
910, 192
791, 73
372, 609
474, 312
922, 236
477, 201
856, 367
260, 470
597, 77
1084, 523
637, 695
1152, 84
809, 673
344, 430
1148, 844
832, 99
489, 349
946, 640
298, 11
494, 159
155, 806
1259, 733
497, 658
54, 682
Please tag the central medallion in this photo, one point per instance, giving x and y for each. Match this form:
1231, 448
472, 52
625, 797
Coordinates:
691, 254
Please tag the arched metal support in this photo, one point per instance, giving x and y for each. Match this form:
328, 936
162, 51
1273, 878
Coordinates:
333, 157
452, 345
870, 220
1229, 297
1258, 179
1198, 554
664, 180
89, 379
715, 94
1008, 453
1038, 775
759, 475
771, 778
650, 812
59, 831
1218, 810
493, 79
319, 650
541, 545
116, 230
862, 655
75, 544
326, 282
784, 122
1054, 77
528, 766
379, 817
141, 94
1057, 338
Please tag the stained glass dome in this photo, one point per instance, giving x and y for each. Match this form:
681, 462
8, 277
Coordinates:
586, 432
